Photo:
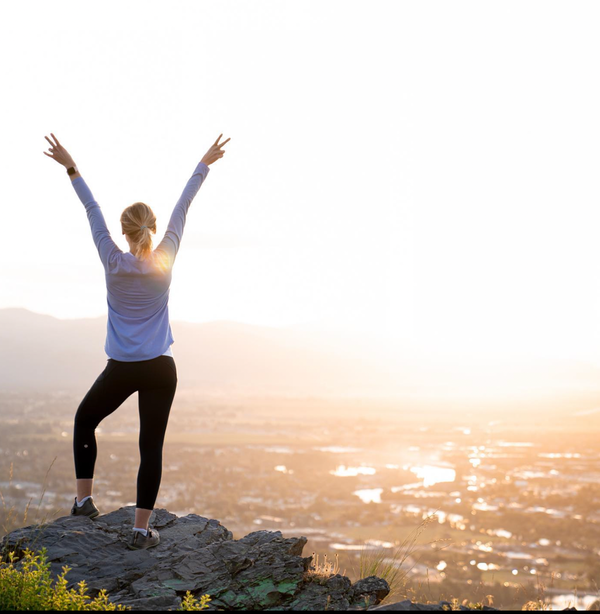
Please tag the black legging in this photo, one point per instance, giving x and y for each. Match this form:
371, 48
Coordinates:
156, 381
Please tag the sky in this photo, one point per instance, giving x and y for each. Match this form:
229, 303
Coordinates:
422, 172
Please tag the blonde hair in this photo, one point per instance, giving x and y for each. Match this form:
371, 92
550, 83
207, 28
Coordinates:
138, 221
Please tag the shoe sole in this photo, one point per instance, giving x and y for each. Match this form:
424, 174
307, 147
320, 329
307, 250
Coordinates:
143, 548
91, 516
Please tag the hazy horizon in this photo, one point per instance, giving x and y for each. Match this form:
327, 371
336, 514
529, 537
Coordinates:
228, 357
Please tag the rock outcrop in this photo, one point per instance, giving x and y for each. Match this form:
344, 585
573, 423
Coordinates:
261, 571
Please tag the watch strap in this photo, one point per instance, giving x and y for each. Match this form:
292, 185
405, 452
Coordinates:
72, 170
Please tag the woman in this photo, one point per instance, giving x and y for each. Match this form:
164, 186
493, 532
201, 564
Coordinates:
138, 340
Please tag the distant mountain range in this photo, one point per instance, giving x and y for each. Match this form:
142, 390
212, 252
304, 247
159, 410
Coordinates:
40, 352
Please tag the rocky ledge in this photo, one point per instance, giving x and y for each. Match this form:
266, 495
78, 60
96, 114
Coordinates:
261, 571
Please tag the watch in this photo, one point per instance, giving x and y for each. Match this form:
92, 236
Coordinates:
72, 170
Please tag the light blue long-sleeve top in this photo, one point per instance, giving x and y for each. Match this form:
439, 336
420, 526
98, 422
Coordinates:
138, 325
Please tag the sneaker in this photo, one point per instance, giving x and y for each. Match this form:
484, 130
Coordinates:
139, 541
87, 509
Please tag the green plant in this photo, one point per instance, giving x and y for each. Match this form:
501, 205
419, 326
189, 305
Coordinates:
30, 588
454, 605
190, 603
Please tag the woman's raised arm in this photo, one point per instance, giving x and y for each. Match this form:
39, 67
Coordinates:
107, 248
174, 233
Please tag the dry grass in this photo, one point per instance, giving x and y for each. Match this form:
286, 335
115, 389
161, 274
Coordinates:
321, 571
390, 564
10, 520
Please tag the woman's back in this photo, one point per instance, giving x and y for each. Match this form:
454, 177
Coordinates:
138, 289
138, 307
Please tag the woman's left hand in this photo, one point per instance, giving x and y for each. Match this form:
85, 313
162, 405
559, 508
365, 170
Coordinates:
59, 153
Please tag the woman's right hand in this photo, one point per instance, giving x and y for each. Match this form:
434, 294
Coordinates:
59, 153
215, 152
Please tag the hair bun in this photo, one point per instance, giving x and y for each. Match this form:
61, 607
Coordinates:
135, 219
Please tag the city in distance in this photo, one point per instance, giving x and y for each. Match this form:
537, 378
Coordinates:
274, 429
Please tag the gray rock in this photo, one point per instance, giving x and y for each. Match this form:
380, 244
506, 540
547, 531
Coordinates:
261, 571
371, 589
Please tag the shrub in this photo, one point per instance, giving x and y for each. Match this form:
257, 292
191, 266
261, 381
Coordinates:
190, 603
30, 588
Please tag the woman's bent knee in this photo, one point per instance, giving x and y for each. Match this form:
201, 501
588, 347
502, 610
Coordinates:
85, 422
